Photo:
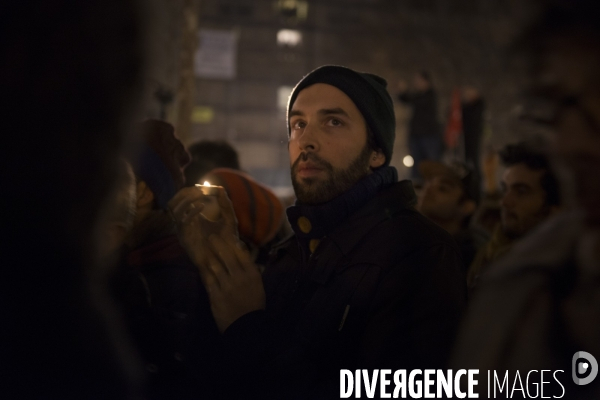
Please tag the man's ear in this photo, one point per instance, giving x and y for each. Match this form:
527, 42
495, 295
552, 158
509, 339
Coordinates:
468, 208
145, 196
377, 159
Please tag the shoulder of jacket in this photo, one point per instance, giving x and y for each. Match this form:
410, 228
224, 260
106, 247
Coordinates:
416, 228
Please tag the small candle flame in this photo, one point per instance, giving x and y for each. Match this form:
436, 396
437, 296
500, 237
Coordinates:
206, 183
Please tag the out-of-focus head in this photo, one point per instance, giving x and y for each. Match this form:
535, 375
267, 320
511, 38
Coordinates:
78, 65
160, 165
422, 81
530, 191
450, 192
208, 155
565, 43
258, 211
470, 94
342, 126
71, 74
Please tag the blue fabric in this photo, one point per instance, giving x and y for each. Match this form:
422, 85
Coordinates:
324, 218
424, 147
156, 175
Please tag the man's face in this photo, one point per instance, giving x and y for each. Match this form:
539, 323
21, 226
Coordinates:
523, 204
328, 144
442, 199
573, 67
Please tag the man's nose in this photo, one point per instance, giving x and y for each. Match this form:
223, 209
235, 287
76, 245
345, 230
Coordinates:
308, 140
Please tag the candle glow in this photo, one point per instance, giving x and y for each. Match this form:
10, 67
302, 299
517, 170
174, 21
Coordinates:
207, 189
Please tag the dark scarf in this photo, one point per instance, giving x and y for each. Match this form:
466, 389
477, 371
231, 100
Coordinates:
313, 222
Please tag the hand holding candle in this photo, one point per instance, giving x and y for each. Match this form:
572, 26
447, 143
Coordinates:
208, 189
190, 202
211, 210
232, 280
197, 216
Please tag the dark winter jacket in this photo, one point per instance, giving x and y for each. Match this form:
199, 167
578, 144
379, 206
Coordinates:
385, 289
424, 120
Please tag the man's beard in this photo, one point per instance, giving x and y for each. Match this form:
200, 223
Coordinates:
338, 181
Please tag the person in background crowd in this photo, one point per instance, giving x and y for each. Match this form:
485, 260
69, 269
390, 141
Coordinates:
473, 108
366, 281
449, 198
157, 286
530, 194
208, 155
540, 306
70, 74
424, 130
258, 211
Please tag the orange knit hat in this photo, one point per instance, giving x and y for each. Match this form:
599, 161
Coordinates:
259, 212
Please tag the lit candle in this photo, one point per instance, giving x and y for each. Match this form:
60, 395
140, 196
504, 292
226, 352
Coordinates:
208, 189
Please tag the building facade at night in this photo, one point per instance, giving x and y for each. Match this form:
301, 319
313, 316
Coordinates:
270, 44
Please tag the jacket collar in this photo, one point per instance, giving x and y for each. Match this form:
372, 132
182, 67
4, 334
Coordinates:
387, 203
313, 222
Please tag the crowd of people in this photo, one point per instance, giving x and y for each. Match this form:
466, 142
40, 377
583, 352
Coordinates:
124, 279
427, 141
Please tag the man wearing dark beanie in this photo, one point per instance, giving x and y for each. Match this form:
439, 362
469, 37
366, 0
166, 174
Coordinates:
366, 282
157, 287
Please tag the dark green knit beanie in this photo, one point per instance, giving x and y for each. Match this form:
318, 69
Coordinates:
369, 94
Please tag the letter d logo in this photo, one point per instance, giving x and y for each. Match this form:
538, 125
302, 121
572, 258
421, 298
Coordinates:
584, 367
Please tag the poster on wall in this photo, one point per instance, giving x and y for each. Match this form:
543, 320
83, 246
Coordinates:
216, 54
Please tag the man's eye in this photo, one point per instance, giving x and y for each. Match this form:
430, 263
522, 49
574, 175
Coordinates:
298, 125
335, 122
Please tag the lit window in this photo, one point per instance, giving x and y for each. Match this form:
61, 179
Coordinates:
289, 37
283, 94
292, 10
